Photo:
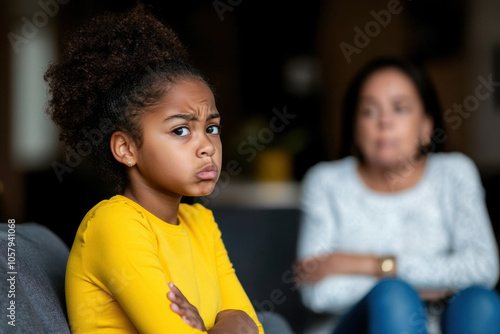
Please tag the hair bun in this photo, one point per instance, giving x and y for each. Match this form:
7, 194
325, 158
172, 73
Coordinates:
111, 68
102, 52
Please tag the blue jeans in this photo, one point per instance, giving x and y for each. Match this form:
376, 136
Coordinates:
472, 310
394, 307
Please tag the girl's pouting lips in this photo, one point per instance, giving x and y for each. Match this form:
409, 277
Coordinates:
208, 172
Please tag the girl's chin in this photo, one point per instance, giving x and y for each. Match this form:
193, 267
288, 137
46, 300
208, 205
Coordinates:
202, 192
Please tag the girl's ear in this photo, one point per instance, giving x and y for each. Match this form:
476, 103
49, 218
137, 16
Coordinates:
123, 148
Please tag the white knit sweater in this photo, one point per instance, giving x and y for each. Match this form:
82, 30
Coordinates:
439, 230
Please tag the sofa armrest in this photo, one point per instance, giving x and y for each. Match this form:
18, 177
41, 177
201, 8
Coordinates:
38, 283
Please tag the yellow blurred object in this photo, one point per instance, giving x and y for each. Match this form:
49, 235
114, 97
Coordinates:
273, 165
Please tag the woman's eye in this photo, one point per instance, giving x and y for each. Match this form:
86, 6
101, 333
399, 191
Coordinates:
181, 132
213, 129
368, 112
401, 109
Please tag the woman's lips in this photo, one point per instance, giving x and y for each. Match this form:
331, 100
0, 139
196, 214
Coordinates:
386, 143
207, 173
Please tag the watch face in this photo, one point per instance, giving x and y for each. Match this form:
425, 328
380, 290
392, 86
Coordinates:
387, 265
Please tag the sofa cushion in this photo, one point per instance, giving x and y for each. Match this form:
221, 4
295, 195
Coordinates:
261, 244
40, 265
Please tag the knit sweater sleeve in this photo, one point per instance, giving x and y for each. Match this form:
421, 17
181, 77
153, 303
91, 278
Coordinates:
319, 234
473, 255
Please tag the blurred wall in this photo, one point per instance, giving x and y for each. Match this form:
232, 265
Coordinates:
483, 51
262, 57
353, 32
11, 180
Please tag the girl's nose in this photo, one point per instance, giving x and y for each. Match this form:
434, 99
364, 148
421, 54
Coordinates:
206, 148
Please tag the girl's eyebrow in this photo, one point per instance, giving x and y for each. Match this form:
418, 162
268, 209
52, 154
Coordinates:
213, 116
187, 117
190, 117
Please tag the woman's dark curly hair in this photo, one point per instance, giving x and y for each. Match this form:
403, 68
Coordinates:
425, 89
112, 70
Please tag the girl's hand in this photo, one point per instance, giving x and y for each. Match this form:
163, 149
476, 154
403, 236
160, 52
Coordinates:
183, 307
233, 321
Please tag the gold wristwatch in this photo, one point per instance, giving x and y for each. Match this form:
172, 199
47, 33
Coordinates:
387, 265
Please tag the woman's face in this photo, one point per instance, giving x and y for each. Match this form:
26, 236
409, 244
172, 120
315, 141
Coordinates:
181, 150
390, 122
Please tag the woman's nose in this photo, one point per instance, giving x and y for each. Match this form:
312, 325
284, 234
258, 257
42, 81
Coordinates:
385, 119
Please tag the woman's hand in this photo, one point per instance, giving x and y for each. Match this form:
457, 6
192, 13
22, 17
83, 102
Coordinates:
184, 309
312, 270
432, 295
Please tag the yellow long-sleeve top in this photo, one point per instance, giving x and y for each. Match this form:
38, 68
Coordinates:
123, 258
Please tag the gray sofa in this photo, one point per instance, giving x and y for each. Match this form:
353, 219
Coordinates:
261, 245
38, 285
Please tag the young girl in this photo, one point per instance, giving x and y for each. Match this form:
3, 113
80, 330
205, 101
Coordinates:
124, 94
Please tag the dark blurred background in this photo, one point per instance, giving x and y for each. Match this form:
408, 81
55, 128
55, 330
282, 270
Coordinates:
295, 58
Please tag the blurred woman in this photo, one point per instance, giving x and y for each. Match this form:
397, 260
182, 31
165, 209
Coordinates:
395, 223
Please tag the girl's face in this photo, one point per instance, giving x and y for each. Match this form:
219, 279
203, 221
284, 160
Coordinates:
181, 150
391, 122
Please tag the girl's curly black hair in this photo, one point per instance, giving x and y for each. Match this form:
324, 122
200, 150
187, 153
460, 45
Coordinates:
112, 70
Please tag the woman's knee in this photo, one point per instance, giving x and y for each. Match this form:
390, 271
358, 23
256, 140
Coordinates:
472, 310
392, 290
395, 307
476, 298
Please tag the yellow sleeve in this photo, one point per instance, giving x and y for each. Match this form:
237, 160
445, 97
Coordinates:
232, 293
122, 255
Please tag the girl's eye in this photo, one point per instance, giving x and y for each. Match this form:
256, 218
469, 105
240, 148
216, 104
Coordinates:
181, 132
213, 129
